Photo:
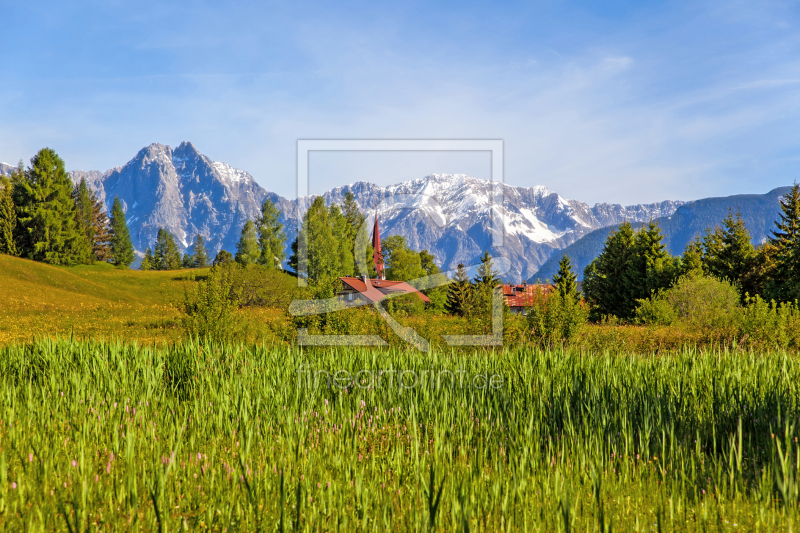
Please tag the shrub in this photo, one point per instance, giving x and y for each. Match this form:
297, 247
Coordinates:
763, 323
554, 319
209, 305
700, 302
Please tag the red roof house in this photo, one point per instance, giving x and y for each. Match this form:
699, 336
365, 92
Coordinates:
375, 290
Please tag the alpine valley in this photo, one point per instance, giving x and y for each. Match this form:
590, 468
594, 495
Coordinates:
187, 193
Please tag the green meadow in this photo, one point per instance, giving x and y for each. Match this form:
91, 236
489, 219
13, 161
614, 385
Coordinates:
229, 437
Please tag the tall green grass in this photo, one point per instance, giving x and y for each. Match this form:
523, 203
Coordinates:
104, 436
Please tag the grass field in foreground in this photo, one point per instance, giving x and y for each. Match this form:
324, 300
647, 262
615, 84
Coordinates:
116, 437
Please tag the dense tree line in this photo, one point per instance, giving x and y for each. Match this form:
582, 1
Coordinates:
634, 265
45, 217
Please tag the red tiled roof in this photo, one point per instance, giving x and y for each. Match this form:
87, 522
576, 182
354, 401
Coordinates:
524, 295
377, 289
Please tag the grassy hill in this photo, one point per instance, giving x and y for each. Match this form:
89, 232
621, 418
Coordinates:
759, 212
87, 300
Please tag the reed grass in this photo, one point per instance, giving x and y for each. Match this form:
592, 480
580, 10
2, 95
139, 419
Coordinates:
104, 436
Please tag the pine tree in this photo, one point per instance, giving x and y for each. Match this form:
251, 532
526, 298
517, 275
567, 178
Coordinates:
84, 214
166, 255
566, 281
101, 247
784, 285
8, 218
604, 278
459, 293
223, 257
271, 237
729, 251
122, 252
200, 257
247, 251
148, 263
47, 225
692, 258
650, 267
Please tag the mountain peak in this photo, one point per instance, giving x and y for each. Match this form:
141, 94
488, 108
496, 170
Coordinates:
186, 151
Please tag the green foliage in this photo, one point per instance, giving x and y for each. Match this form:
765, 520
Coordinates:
247, 250
459, 293
700, 302
604, 283
271, 237
8, 218
682, 442
122, 251
148, 262
92, 222
323, 259
200, 255
187, 262
728, 250
209, 305
166, 255
557, 318
222, 257
403, 263
46, 225
784, 283
566, 281
770, 324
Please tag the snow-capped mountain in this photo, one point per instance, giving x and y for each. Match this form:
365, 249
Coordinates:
189, 194
536, 222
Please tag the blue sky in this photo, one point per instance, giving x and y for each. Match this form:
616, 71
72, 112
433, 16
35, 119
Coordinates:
600, 101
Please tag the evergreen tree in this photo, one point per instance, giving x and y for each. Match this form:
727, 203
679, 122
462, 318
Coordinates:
122, 252
148, 263
271, 237
47, 225
484, 284
101, 247
692, 258
166, 255
650, 268
355, 219
729, 251
566, 281
784, 285
247, 251
604, 278
200, 256
187, 261
83, 219
487, 275
223, 257
8, 218
459, 293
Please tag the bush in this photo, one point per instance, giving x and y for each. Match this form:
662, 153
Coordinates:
700, 302
209, 305
554, 319
763, 324
656, 311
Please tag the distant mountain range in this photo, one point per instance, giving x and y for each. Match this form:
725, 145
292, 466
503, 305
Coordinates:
187, 193
759, 212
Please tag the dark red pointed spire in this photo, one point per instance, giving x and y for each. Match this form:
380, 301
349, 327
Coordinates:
377, 257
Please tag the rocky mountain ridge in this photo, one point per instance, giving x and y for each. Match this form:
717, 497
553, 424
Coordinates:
187, 193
